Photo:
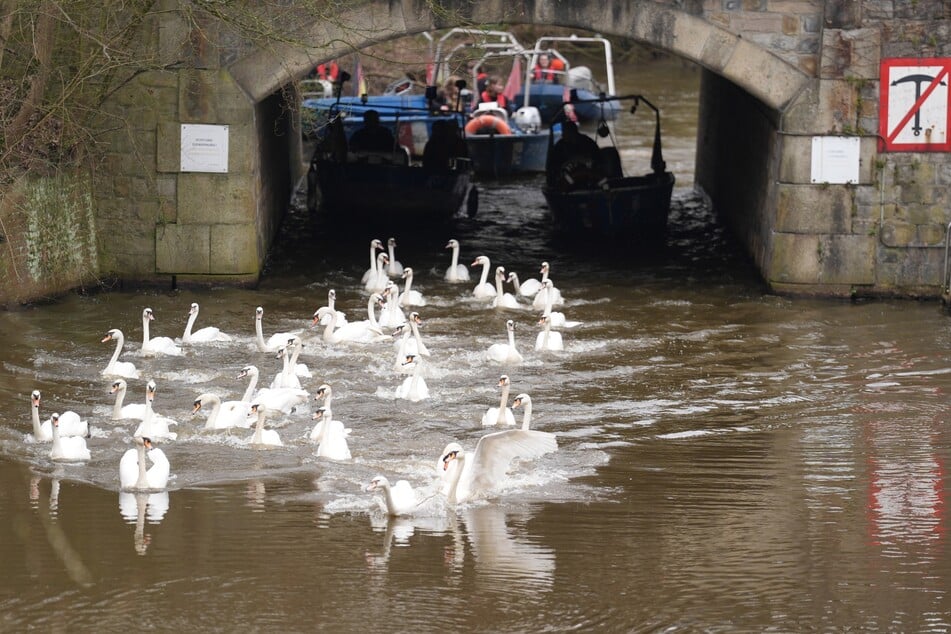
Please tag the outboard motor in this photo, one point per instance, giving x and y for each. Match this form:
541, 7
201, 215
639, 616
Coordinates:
528, 119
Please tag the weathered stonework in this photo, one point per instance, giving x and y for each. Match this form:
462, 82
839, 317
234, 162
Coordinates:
787, 70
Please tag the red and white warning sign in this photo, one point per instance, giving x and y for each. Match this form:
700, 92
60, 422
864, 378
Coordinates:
914, 110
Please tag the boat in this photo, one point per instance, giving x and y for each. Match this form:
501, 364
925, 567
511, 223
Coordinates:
391, 187
549, 96
589, 195
501, 144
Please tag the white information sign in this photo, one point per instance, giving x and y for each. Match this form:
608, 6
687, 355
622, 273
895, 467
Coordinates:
204, 148
835, 159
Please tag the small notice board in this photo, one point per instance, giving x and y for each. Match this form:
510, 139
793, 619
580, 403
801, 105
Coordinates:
913, 108
204, 148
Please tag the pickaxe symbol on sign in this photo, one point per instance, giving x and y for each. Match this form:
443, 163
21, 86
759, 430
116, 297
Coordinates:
919, 80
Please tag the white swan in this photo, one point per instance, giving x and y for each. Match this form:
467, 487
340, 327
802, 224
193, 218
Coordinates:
366, 331
202, 335
505, 353
410, 296
456, 272
42, 432
331, 305
392, 315
557, 318
274, 342
152, 346
501, 415
412, 345
555, 295
70, 423
402, 335
524, 400
115, 367
375, 245
153, 425
263, 437
283, 399
67, 448
393, 268
527, 289
548, 340
120, 411
483, 290
223, 415
470, 476
377, 283
400, 498
330, 436
287, 377
133, 474
414, 387
503, 299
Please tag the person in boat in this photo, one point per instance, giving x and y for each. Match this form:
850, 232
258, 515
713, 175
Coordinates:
574, 162
332, 143
493, 92
329, 71
372, 137
449, 96
548, 69
445, 144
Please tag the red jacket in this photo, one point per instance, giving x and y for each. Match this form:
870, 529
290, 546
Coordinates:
499, 98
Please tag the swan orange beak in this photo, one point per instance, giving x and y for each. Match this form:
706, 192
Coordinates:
106, 338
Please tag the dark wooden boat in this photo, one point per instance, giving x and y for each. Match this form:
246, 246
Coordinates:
389, 186
590, 195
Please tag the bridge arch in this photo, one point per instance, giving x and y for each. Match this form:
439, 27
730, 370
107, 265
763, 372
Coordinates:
747, 65
774, 75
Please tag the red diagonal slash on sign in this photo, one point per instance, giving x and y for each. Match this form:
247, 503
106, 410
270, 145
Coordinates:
917, 106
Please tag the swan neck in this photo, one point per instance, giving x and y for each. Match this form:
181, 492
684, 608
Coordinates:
258, 331
145, 330
515, 283
371, 314
258, 429
35, 413
455, 258
117, 351
527, 416
252, 383
485, 273
504, 399
512, 339
187, 335
143, 481
331, 324
117, 407
212, 417
498, 285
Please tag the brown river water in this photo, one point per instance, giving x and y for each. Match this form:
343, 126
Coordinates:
728, 459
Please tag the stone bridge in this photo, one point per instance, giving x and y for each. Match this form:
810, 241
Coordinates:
776, 74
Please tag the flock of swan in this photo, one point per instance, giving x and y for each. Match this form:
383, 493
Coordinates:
392, 316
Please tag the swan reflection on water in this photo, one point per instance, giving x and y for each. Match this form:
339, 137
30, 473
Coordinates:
35, 482
136, 508
500, 547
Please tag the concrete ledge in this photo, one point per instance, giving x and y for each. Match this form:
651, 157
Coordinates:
794, 259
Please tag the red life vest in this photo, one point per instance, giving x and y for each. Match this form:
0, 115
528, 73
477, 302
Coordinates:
499, 98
